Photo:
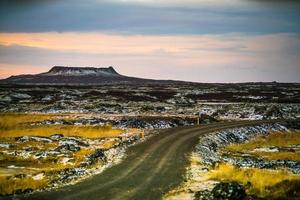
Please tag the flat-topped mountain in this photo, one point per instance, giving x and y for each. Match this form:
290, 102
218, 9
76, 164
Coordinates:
61, 75
81, 71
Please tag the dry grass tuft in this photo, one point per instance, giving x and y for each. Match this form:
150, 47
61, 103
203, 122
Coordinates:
10, 120
278, 139
16, 125
261, 182
12, 185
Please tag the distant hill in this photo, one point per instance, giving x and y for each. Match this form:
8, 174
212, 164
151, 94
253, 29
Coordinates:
62, 75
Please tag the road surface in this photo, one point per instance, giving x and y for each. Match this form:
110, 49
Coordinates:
150, 169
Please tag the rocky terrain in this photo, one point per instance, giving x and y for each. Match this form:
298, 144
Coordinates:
211, 101
52, 150
211, 152
79, 121
57, 160
125, 122
209, 149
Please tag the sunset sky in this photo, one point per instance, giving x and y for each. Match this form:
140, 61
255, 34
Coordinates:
193, 40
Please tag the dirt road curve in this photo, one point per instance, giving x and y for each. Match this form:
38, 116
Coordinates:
150, 169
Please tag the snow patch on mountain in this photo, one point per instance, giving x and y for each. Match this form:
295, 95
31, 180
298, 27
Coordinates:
81, 71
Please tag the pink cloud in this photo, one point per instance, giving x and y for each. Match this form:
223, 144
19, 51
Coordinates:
176, 57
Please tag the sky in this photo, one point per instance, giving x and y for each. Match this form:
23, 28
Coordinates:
191, 40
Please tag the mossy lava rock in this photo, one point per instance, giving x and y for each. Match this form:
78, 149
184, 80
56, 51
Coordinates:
223, 191
229, 190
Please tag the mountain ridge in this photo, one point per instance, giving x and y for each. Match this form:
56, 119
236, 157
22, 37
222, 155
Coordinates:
65, 75
81, 71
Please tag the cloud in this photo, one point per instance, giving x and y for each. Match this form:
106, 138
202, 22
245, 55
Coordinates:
182, 3
205, 58
206, 3
150, 17
155, 44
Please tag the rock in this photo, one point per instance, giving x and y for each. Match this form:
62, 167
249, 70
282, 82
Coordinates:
97, 155
228, 191
18, 191
30, 149
33, 138
69, 173
23, 191
203, 195
274, 112
266, 149
67, 161
56, 136
20, 96
28, 190
47, 98
151, 123
39, 176
209, 145
6, 99
67, 147
4, 145
72, 141
21, 176
261, 163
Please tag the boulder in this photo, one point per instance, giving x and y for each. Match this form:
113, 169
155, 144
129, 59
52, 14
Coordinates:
72, 141
203, 195
56, 136
33, 138
47, 98
5, 99
228, 191
97, 155
67, 147
20, 96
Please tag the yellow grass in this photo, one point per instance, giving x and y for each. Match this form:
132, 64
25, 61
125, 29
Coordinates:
16, 125
109, 144
278, 139
49, 163
66, 130
279, 155
23, 145
81, 154
260, 182
14, 171
11, 120
10, 185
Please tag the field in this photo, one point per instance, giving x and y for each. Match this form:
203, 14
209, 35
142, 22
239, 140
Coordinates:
16, 125
268, 184
276, 183
286, 142
34, 155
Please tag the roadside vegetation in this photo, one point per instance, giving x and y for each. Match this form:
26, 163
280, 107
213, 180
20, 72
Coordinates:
284, 141
265, 183
30, 164
269, 184
16, 125
11, 185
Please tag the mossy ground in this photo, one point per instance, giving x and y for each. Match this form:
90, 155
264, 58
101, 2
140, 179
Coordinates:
271, 183
21, 124
16, 125
276, 139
